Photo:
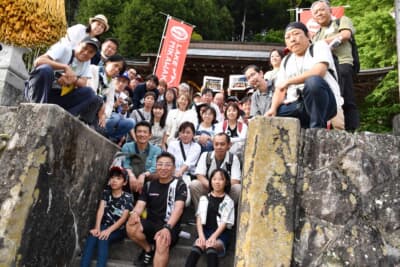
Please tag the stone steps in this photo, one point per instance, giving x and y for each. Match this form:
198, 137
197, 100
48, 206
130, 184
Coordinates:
123, 253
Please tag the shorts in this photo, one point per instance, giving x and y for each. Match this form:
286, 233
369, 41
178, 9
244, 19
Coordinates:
150, 229
223, 237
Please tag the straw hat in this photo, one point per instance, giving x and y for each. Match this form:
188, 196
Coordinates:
100, 18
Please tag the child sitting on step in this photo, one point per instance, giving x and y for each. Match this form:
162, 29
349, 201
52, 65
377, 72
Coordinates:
214, 217
111, 216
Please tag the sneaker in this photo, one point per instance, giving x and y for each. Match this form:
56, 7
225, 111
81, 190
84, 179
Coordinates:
145, 259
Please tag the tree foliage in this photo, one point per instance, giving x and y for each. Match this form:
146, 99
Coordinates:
376, 38
138, 24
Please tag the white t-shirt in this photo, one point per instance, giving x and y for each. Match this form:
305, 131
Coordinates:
75, 34
192, 153
62, 53
202, 165
175, 118
296, 65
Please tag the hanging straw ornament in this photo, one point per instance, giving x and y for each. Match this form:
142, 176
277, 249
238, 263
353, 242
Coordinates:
32, 23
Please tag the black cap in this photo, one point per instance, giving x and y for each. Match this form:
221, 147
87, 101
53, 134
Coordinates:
92, 41
297, 25
232, 98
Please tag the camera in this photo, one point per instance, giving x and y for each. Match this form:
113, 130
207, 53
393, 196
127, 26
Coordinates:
58, 74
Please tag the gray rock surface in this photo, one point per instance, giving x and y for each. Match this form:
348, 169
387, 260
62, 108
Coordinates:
52, 172
349, 193
396, 125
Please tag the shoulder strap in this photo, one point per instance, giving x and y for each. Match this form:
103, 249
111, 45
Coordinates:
312, 50
240, 126
72, 57
208, 162
286, 60
182, 150
224, 125
141, 114
337, 21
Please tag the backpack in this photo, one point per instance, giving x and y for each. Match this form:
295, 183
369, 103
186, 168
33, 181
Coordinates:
225, 126
138, 161
331, 71
228, 164
354, 51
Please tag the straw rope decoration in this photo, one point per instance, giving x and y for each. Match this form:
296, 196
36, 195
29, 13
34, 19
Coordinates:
32, 23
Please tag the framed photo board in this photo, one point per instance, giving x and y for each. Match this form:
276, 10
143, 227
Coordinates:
237, 82
214, 83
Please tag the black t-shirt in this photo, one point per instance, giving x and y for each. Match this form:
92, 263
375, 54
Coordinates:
232, 132
155, 194
212, 211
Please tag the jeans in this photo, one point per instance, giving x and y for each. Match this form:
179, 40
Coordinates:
102, 247
118, 126
318, 104
40, 90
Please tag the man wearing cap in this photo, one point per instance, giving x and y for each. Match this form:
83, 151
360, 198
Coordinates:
261, 98
306, 85
60, 76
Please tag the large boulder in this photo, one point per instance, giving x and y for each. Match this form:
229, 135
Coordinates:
349, 191
52, 172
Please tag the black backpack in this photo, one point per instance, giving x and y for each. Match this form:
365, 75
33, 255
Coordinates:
228, 164
354, 51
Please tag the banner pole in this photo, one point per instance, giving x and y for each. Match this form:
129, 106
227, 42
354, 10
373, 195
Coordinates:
162, 41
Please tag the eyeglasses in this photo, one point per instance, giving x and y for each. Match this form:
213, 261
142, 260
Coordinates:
164, 164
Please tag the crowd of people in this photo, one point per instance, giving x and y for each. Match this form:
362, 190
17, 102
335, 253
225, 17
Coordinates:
183, 147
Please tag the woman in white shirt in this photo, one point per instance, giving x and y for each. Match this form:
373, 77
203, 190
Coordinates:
75, 34
177, 116
185, 150
158, 128
276, 57
205, 131
236, 129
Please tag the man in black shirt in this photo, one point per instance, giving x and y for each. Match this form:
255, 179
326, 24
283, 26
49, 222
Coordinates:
164, 200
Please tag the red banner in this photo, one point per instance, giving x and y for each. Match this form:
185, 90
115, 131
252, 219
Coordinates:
312, 25
173, 51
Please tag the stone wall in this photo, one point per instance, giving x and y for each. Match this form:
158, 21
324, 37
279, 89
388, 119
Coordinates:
349, 195
13, 74
344, 210
52, 172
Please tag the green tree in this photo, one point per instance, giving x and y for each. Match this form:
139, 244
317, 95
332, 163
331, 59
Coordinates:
111, 9
376, 39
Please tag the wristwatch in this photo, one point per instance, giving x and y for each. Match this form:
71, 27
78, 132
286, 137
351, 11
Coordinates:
168, 226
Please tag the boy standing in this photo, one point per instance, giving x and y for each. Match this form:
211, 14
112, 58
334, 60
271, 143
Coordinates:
111, 216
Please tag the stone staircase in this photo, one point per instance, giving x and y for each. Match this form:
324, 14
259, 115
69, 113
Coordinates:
122, 254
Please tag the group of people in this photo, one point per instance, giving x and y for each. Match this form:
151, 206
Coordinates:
180, 146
